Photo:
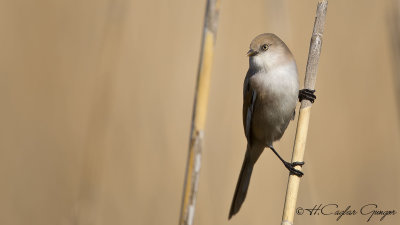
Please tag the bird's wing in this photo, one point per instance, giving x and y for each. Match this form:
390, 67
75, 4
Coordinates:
249, 99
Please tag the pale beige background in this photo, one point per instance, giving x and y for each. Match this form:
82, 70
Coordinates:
96, 100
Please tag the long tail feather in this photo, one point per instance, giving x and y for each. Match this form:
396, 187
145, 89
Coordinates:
242, 185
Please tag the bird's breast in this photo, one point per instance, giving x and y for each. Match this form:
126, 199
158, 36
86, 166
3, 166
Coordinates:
277, 85
277, 94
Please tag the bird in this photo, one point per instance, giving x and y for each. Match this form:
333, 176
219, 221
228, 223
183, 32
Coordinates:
270, 95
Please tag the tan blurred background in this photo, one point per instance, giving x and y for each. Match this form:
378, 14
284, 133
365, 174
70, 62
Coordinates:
96, 100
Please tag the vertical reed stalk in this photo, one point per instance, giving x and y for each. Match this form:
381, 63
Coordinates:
199, 113
304, 114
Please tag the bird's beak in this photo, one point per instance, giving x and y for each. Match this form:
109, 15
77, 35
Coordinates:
251, 52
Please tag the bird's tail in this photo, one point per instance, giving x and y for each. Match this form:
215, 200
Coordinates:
244, 180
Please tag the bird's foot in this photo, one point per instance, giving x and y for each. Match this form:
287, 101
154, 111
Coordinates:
307, 94
290, 167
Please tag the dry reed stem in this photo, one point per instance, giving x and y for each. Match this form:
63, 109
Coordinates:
304, 114
199, 113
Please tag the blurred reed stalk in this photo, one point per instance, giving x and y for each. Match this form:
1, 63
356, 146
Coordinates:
394, 29
199, 113
304, 114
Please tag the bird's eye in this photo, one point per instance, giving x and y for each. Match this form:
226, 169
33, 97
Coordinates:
265, 47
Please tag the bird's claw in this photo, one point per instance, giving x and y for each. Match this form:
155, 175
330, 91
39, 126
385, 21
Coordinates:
290, 167
307, 94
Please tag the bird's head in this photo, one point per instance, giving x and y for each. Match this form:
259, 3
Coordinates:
268, 51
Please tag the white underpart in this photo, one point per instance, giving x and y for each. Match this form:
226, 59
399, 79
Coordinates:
278, 75
276, 83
